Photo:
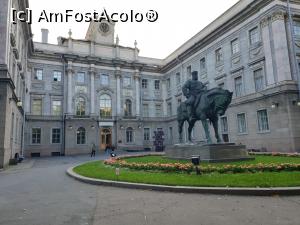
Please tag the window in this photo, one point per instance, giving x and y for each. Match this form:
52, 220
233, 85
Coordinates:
57, 76
105, 106
178, 79
157, 84
37, 107
56, 108
168, 83
202, 65
146, 134
224, 129
104, 79
235, 48
145, 110
179, 102
263, 122
170, 134
258, 80
169, 109
129, 135
36, 136
127, 81
144, 84
80, 77
55, 136
80, 106
189, 71
241, 121
38, 74
158, 111
128, 108
254, 36
297, 28
219, 56
238, 86
81, 138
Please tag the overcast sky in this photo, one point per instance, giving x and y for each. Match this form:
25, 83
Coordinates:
178, 21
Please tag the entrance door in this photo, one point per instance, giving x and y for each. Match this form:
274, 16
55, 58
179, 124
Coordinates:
105, 138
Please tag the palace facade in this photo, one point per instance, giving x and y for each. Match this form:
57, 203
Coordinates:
79, 92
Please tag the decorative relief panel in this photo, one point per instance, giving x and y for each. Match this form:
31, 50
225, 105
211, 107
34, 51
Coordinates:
56, 87
235, 61
256, 52
38, 86
81, 89
127, 93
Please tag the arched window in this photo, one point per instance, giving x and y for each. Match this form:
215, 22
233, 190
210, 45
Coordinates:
128, 108
129, 135
81, 138
80, 106
105, 106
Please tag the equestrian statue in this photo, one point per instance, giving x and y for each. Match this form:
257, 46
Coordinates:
202, 104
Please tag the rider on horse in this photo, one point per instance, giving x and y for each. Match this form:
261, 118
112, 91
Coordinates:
193, 90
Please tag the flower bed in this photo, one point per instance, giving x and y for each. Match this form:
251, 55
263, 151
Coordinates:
188, 167
296, 155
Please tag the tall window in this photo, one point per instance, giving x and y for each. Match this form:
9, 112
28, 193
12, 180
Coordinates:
235, 48
38, 74
146, 134
297, 28
104, 79
178, 79
145, 110
254, 36
57, 76
169, 109
128, 108
224, 129
170, 136
157, 84
258, 80
179, 102
202, 65
263, 122
238, 82
81, 136
189, 71
219, 56
144, 84
56, 136
127, 81
56, 108
242, 126
168, 83
80, 106
36, 136
105, 106
37, 107
129, 135
158, 111
80, 78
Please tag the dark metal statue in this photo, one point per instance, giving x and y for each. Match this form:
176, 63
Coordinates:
202, 104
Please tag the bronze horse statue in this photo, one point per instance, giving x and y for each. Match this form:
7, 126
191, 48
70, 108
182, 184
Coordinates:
212, 104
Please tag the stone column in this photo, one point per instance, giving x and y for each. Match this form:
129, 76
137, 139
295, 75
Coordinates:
164, 95
281, 47
137, 78
92, 75
118, 78
70, 87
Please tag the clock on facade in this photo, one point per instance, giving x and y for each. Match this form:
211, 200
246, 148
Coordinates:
104, 27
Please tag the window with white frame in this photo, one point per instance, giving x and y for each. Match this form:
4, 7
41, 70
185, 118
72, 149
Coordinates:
80, 78
238, 83
127, 81
57, 76
263, 121
81, 136
104, 79
105, 106
219, 56
202, 65
56, 107
37, 106
178, 79
80, 106
146, 134
235, 48
241, 121
144, 83
258, 80
38, 74
254, 35
36, 135
169, 109
157, 84
158, 110
145, 110
129, 135
128, 108
56, 133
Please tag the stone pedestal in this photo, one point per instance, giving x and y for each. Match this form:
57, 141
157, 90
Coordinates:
209, 153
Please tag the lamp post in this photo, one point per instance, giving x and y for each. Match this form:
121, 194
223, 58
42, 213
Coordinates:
196, 163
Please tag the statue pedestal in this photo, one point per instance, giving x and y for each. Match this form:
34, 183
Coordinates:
209, 153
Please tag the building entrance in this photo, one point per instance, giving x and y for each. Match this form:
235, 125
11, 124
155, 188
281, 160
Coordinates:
106, 138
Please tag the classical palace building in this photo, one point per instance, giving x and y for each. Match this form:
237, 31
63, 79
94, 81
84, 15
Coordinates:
75, 93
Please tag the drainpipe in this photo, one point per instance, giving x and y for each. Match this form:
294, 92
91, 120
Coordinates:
63, 144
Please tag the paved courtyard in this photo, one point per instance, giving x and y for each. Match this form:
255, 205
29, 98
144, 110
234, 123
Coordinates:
38, 192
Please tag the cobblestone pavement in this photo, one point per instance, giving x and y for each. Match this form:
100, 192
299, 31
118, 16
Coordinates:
38, 192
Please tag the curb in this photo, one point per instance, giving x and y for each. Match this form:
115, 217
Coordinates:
184, 189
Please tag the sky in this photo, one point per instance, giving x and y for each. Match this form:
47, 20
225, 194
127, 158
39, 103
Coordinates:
177, 21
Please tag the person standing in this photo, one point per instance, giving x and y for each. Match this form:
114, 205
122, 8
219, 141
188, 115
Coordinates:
93, 153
